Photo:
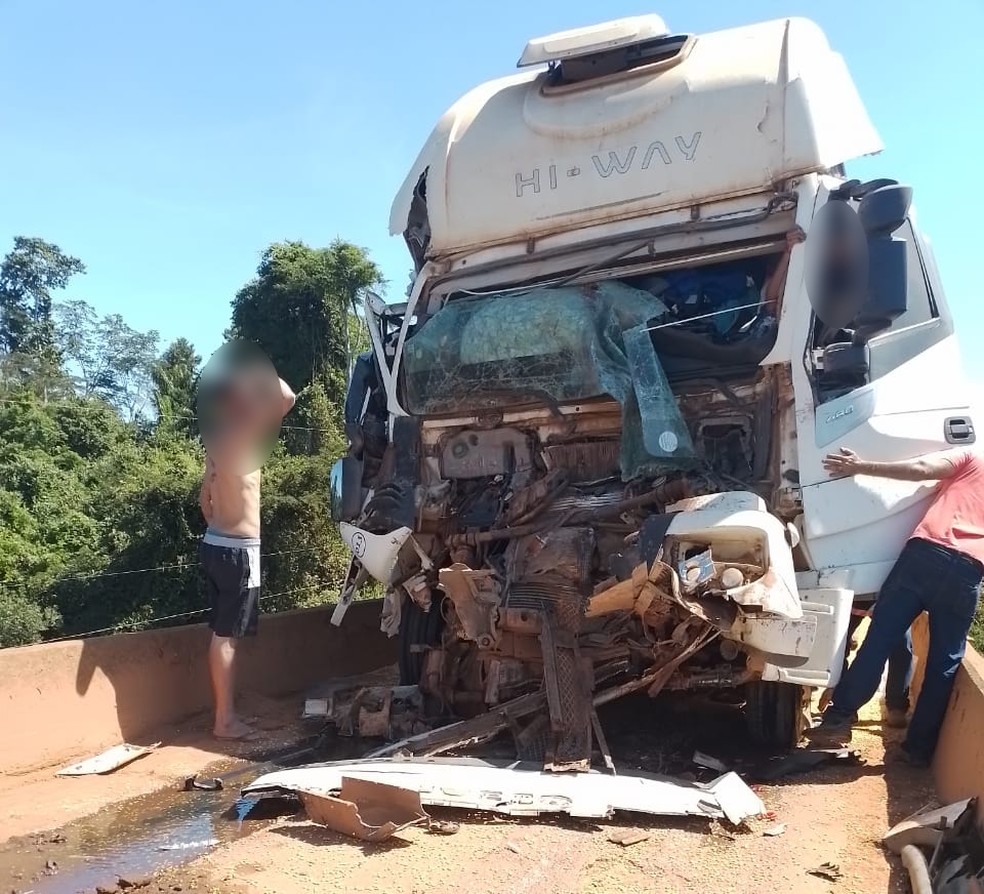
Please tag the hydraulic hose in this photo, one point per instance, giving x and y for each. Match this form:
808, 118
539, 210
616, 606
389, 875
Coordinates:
918, 869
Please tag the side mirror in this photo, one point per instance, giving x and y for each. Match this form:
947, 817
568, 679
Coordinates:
345, 489
882, 211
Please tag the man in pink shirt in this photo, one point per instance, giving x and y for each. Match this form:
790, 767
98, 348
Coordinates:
939, 571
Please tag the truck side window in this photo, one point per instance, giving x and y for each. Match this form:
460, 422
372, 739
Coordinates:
909, 335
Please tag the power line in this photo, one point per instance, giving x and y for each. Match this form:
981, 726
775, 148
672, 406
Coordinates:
180, 565
136, 625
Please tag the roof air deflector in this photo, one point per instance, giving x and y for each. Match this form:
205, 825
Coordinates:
592, 39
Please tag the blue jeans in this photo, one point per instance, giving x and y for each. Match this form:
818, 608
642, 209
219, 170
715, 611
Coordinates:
943, 583
899, 669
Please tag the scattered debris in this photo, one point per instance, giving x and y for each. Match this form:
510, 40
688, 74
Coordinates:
513, 847
802, 760
829, 871
627, 839
194, 784
522, 789
719, 831
599, 734
315, 707
49, 838
367, 810
709, 763
774, 831
116, 757
189, 845
442, 827
958, 860
924, 828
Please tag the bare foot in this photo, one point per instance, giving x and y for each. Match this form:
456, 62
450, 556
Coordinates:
235, 730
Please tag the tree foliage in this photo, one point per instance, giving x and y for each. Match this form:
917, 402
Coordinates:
107, 358
99, 516
297, 309
28, 275
174, 377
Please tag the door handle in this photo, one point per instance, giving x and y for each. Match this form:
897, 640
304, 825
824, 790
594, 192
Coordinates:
959, 430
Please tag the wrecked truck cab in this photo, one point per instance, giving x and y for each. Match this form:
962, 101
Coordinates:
609, 393
548, 524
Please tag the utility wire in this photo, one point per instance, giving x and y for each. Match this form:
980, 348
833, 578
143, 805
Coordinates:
135, 625
180, 565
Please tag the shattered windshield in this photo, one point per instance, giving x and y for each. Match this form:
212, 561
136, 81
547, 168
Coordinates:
550, 345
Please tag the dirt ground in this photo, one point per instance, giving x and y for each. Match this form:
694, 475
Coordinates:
38, 800
836, 815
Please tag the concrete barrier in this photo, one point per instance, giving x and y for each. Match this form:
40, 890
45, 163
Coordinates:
958, 765
59, 700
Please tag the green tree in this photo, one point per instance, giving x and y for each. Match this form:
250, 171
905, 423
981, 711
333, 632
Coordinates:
297, 309
28, 275
174, 377
107, 358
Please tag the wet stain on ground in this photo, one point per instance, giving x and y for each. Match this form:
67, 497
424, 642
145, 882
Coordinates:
122, 846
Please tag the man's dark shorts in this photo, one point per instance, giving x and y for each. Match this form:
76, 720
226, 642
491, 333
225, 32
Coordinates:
231, 566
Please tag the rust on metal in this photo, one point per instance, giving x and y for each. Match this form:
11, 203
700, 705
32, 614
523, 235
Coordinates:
364, 809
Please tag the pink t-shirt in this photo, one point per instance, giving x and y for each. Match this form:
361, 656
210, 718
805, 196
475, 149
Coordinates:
956, 517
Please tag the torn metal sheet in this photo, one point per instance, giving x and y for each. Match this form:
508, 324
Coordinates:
924, 828
363, 809
112, 759
524, 789
736, 799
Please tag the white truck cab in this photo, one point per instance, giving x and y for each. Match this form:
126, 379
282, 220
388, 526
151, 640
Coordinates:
586, 452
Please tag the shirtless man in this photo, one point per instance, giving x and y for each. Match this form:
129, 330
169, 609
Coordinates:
248, 412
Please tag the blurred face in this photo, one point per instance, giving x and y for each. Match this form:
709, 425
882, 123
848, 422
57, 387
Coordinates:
240, 397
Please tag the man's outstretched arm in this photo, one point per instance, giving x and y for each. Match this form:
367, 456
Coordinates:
932, 467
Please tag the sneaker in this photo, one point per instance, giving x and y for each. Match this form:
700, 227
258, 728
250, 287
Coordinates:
831, 733
902, 755
896, 718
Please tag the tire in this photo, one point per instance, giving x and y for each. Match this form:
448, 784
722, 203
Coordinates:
774, 713
417, 628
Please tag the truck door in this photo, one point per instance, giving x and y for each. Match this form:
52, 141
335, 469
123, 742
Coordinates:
913, 399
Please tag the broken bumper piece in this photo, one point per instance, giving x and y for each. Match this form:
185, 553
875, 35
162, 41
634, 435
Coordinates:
521, 789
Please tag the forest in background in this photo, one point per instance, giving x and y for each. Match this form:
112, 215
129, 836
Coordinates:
100, 459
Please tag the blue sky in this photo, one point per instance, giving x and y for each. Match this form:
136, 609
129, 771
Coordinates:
167, 144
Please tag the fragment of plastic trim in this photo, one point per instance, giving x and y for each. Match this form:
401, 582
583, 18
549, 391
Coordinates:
377, 552
523, 789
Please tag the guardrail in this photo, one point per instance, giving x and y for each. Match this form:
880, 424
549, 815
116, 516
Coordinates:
59, 700
958, 765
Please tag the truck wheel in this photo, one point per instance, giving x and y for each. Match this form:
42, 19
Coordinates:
774, 713
417, 628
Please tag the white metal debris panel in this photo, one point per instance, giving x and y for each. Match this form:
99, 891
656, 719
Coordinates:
745, 108
507, 788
